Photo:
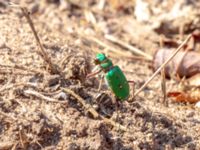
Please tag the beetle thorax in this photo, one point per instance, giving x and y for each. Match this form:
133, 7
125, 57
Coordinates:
105, 63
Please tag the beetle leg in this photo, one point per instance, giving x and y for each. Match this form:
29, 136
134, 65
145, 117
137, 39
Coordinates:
95, 68
133, 88
117, 107
93, 74
113, 98
100, 84
132, 82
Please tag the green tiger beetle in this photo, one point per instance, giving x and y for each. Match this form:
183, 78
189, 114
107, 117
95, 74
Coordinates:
113, 75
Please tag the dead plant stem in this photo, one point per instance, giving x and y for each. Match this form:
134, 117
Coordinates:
42, 51
95, 114
163, 85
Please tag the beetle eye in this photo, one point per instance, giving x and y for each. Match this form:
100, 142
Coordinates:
96, 62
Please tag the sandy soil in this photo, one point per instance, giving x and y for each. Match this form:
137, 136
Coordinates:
36, 113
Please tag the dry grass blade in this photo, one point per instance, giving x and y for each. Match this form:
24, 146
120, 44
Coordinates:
163, 81
131, 48
163, 65
116, 52
163, 85
105, 45
95, 114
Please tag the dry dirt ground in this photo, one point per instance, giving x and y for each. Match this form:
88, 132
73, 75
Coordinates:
35, 112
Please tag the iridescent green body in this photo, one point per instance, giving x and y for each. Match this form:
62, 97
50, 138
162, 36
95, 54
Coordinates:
117, 83
114, 77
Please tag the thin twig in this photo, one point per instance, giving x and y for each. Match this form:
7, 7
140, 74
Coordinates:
9, 86
80, 100
115, 51
10, 71
114, 124
163, 65
42, 51
8, 116
108, 47
95, 114
43, 97
128, 46
24, 68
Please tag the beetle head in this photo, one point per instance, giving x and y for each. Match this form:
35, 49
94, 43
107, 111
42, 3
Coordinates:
99, 58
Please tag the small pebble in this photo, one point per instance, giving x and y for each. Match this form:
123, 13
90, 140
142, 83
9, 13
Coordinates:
197, 105
62, 96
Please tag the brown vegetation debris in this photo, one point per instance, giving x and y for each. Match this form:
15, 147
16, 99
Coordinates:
184, 64
192, 96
